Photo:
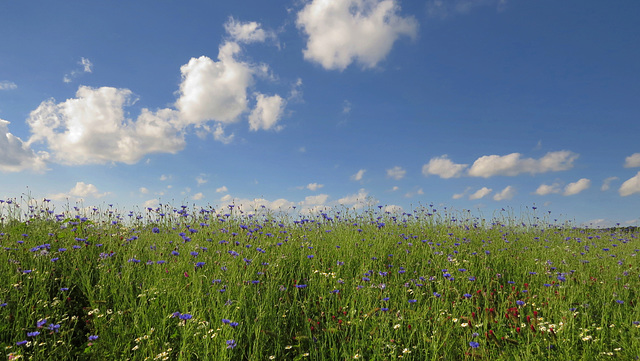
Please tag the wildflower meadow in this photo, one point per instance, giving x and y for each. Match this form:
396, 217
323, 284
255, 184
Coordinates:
205, 283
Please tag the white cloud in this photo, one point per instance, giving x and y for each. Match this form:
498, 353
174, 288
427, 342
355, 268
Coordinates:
512, 164
443, 167
144, 190
165, 177
200, 180
458, 195
545, 189
214, 90
218, 134
246, 32
632, 161
318, 200
16, 155
480, 193
151, 203
86, 65
80, 191
630, 186
358, 200
222, 189
411, 194
576, 187
393, 209
314, 186
396, 173
505, 194
394, 188
606, 184
267, 112
343, 31
358, 175
198, 196
92, 128
7, 85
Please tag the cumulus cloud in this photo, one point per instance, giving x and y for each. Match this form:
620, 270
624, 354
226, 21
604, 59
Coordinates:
630, 186
358, 175
396, 173
443, 167
7, 85
357, 200
513, 164
341, 32
576, 187
246, 32
545, 189
80, 191
213, 90
505, 194
92, 128
144, 190
480, 193
201, 180
267, 112
314, 186
16, 155
606, 184
198, 196
320, 199
632, 161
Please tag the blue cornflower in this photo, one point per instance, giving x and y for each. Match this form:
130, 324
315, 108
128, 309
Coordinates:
474, 344
53, 327
20, 343
225, 321
467, 295
233, 324
301, 286
561, 278
620, 301
194, 253
41, 323
33, 334
310, 256
365, 279
413, 301
437, 294
231, 343
520, 303
63, 289
335, 291
185, 316
93, 337
199, 264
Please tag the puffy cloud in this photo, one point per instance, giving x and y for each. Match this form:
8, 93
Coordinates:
630, 186
606, 184
358, 200
87, 67
505, 194
320, 199
576, 187
246, 32
343, 31
480, 193
314, 186
198, 196
7, 85
411, 194
267, 112
358, 175
443, 167
394, 209
396, 173
512, 164
632, 161
200, 180
92, 128
79, 191
222, 189
16, 155
144, 190
213, 90
545, 189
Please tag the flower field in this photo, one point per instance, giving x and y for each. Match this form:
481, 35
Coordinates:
188, 283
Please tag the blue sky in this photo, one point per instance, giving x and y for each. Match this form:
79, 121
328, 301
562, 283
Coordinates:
322, 104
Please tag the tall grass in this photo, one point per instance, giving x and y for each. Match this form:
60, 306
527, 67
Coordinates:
191, 283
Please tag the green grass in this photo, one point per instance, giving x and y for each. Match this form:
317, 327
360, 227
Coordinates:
422, 286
